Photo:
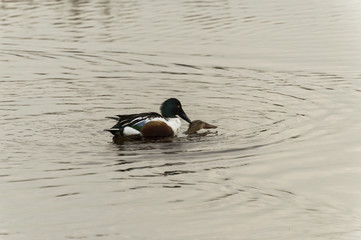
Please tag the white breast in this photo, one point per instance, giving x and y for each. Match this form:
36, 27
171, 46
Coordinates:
174, 123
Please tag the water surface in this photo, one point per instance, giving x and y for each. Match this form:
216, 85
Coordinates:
280, 79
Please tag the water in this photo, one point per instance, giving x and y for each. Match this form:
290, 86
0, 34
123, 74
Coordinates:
281, 79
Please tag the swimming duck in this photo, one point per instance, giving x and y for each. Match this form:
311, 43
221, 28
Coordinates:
196, 125
151, 124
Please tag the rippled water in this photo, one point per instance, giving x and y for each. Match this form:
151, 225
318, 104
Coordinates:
280, 79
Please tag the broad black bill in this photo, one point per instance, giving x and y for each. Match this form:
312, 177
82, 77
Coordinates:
183, 115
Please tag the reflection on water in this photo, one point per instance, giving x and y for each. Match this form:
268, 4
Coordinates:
279, 79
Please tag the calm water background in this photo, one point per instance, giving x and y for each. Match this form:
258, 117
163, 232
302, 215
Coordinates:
281, 79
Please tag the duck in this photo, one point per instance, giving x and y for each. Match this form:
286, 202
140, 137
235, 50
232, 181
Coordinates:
197, 125
151, 124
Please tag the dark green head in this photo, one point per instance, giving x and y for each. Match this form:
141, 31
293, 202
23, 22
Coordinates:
171, 108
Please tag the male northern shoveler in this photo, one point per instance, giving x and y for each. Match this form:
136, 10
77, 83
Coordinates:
151, 124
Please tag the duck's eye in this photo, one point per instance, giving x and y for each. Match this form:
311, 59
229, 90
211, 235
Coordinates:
178, 106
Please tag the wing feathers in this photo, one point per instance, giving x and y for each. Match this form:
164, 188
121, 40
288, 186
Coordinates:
134, 121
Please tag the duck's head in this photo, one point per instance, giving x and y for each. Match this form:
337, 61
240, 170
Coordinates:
198, 125
171, 108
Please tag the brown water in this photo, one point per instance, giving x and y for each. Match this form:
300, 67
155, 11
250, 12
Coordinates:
281, 79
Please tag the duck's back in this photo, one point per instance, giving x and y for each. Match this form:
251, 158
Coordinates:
131, 124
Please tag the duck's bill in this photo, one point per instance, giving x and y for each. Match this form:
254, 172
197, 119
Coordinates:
208, 126
184, 116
